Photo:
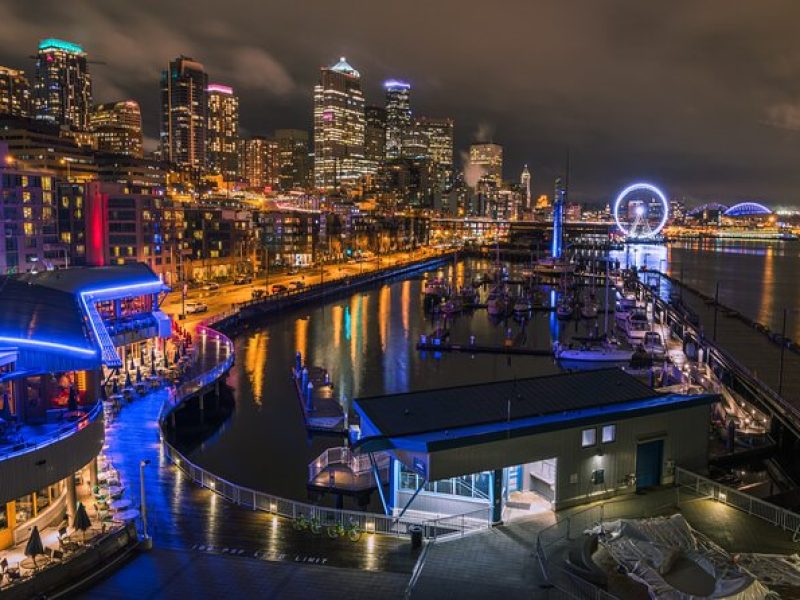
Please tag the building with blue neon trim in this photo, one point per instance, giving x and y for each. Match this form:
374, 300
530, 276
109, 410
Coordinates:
564, 439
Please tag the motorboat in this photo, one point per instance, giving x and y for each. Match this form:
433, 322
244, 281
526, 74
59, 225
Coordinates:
497, 303
604, 352
653, 344
522, 305
452, 306
635, 326
553, 267
469, 296
435, 288
589, 310
626, 304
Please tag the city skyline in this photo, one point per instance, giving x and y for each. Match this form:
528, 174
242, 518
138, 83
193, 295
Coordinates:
727, 132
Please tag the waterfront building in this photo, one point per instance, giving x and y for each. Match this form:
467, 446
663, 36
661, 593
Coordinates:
438, 132
398, 116
137, 174
259, 165
117, 128
62, 88
416, 180
568, 439
223, 242
375, 136
184, 117
293, 159
292, 237
223, 131
28, 219
15, 93
339, 127
40, 146
59, 331
488, 158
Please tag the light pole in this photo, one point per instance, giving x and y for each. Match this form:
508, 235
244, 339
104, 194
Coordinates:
147, 541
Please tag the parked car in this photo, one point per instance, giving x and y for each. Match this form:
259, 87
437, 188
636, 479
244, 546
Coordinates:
293, 271
210, 286
243, 280
279, 289
297, 285
196, 307
257, 294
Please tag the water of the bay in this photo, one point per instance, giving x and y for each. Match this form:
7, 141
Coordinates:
367, 342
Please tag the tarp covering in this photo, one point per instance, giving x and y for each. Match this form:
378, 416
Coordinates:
675, 562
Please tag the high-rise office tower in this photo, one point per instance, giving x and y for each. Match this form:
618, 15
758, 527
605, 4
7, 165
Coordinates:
375, 135
117, 128
338, 126
15, 93
292, 158
559, 201
525, 183
184, 109
489, 157
258, 162
439, 135
222, 136
62, 89
398, 116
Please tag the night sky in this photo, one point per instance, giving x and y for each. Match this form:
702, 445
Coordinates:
702, 97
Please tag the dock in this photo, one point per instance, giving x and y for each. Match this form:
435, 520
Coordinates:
478, 349
322, 413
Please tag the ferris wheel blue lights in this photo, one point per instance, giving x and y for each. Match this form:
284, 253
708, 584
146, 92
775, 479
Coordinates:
646, 210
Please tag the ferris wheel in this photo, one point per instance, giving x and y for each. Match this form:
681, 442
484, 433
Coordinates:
641, 211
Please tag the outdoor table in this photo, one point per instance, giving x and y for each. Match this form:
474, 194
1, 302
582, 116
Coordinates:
119, 505
127, 515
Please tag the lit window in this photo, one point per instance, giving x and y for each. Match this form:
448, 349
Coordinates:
588, 437
609, 434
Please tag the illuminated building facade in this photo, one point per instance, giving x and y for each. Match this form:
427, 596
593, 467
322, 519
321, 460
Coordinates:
293, 159
438, 132
525, 184
15, 93
28, 219
489, 157
117, 128
258, 163
223, 131
62, 89
339, 127
184, 109
398, 116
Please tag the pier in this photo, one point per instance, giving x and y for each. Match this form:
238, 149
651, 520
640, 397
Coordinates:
478, 349
322, 413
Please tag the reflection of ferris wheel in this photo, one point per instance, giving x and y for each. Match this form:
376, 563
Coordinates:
641, 211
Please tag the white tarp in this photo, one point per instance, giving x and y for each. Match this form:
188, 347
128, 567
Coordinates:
675, 563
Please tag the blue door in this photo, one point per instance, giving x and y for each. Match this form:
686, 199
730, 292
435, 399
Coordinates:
648, 464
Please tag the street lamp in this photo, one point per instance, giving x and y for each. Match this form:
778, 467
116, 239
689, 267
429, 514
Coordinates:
147, 541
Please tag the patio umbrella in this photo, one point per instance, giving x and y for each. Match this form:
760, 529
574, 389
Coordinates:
177, 356
152, 355
138, 375
5, 413
128, 382
103, 393
81, 520
166, 359
152, 369
115, 387
72, 402
34, 546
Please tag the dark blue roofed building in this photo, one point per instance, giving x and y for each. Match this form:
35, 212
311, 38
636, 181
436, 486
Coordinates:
528, 444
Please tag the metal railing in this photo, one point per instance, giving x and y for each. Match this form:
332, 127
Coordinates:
707, 488
63, 432
359, 464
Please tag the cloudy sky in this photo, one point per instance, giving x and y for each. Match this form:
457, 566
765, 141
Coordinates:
701, 96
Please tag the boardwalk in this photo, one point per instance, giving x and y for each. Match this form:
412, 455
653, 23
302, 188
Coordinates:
187, 519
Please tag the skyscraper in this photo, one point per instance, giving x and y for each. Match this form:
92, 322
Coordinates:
117, 127
375, 135
525, 183
489, 157
223, 131
62, 89
398, 116
184, 111
15, 93
439, 135
338, 126
258, 162
292, 158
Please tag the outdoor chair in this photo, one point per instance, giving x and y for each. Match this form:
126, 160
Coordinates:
54, 554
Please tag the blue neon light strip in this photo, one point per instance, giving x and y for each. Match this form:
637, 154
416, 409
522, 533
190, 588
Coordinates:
48, 345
